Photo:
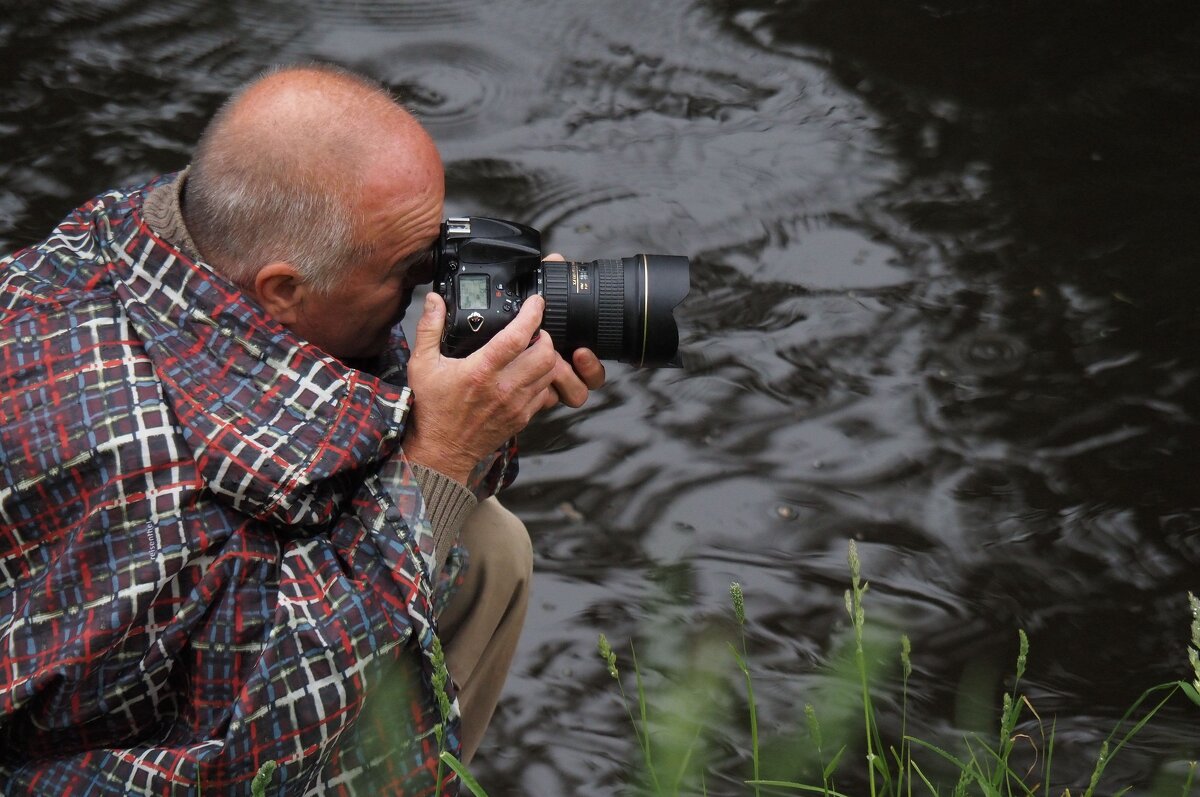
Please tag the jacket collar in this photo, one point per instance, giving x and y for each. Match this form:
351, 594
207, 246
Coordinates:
273, 422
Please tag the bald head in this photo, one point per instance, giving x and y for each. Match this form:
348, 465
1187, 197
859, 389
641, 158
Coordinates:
279, 170
316, 120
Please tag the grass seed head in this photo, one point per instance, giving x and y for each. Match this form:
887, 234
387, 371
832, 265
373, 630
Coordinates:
606, 653
739, 602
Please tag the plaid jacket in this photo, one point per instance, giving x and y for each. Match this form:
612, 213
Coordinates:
212, 551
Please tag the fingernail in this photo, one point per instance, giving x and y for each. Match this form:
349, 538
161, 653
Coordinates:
430, 303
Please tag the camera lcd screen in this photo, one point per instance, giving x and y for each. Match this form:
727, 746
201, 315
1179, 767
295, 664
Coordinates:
473, 292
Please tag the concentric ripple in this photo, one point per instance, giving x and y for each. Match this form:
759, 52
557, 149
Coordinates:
468, 93
395, 16
546, 195
989, 353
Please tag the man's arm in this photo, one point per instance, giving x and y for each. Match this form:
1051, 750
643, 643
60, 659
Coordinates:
465, 408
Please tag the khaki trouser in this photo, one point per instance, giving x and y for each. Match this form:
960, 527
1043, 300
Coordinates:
482, 622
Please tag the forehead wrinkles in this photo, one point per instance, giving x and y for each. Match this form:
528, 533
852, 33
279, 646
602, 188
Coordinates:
406, 221
402, 188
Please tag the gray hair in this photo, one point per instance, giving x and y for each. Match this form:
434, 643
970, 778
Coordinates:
255, 196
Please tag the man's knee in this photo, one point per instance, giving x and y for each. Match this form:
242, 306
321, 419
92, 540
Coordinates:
498, 543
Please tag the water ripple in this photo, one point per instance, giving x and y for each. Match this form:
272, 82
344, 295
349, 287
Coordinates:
452, 97
989, 353
545, 196
409, 15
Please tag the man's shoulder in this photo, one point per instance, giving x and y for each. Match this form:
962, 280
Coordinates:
116, 205
66, 259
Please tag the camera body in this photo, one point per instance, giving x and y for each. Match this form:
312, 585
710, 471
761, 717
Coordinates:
485, 269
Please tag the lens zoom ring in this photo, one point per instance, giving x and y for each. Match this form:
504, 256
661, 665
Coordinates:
554, 291
610, 320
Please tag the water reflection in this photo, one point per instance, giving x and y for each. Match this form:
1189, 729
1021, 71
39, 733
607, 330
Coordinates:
1057, 321
941, 304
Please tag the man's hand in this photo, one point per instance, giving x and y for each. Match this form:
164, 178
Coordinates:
571, 386
464, 409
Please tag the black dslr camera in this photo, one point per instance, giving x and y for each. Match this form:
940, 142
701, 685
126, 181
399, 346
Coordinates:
621, 309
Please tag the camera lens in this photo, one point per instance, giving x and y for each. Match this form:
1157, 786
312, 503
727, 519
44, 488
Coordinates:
620, 309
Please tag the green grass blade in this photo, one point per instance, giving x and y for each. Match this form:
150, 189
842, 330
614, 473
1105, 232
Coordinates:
1105, 754
466, 777
643, 712
1046, 771
924, 779
960, 765
1187, 786
831, 767
787, 784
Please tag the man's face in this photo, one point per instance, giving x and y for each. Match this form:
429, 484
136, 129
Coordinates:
355, 319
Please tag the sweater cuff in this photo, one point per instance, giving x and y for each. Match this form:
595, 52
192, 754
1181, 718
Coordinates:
447, 503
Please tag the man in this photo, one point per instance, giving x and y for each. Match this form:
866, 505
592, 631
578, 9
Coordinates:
229, 495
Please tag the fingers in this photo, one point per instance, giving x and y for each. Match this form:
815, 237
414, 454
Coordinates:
589, 368
429, 327
510, 342
464, 408
535, 367
570, 385
567, 386
549, 399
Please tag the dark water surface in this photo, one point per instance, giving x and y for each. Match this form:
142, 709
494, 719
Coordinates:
944, 303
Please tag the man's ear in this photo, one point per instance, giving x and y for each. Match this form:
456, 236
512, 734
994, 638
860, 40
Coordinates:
280, 289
